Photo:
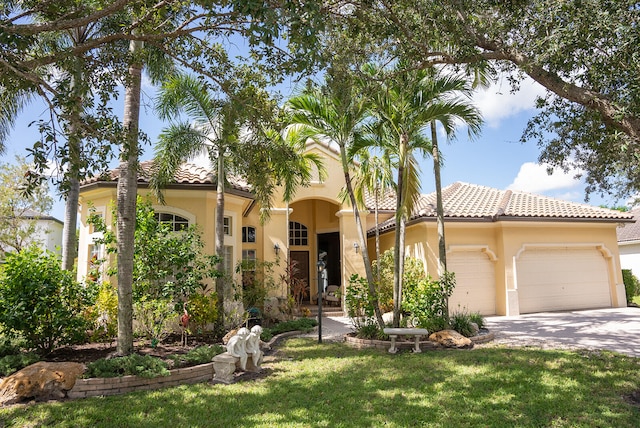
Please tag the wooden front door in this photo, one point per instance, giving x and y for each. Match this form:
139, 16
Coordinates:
301, 271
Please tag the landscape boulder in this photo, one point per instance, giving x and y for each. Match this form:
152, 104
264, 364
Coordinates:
451, 339
40, 381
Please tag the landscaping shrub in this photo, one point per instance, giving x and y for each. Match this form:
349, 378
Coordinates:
461, 322
203, 311
103, 314
370, 330
631, 284
478, 319
199, 355
300, 324
134, 364
10, 364
427, 301
358, 302
154, 318
41, 302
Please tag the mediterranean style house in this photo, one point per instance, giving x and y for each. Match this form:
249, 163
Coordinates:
512, 252
629, 243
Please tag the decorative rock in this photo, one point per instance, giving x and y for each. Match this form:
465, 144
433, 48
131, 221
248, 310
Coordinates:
475, 329
451, 339
40, 381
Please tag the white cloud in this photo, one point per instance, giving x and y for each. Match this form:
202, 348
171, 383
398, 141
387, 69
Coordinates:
498, 103
534, 178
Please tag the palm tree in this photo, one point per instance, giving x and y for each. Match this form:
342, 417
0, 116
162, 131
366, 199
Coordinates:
374, 176
229, 130
337, 115
406, 103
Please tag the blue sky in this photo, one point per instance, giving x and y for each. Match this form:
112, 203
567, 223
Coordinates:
496, 158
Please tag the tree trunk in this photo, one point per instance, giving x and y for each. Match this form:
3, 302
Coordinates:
442, 247
363, 241
398, 251
127, 191
69, 247
219, 238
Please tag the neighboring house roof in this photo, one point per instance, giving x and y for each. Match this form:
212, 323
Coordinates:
630, 232
187, 174
471, 202
35, 215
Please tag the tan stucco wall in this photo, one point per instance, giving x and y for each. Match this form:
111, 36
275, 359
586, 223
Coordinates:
505, 241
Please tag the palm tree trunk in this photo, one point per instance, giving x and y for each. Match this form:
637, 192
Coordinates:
363, 241
219, 239
126, 211
377, 220
442, 247
398, 251
69, 244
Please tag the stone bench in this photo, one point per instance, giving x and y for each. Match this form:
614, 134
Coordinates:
393, 333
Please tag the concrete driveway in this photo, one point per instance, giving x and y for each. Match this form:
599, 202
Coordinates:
616, 329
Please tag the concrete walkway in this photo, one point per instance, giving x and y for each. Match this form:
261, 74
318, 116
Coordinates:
615, 329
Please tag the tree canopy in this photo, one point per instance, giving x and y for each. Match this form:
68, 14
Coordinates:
584, 52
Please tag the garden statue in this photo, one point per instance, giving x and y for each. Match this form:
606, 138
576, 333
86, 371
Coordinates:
253, 346
237, 346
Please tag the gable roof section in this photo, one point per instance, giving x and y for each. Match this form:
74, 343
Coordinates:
188, 175
630, 233
471, 202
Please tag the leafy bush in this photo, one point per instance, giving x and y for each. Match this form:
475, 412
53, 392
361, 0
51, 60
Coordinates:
478, 319
427, 301
383, 268
12, 363
154, 318
631, 284
199, 355
134, 364
40, 301
301, 324
370, 330
103, 314
461, 322
203, 310
358, 302
11, 345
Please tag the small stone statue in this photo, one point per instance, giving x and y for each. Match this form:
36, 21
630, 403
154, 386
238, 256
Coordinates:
253, 346
236, 346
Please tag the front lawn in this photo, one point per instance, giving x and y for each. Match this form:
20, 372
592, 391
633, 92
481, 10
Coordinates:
636, 300
332, 385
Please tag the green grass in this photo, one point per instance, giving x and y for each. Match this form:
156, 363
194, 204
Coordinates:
636, 300
332, 385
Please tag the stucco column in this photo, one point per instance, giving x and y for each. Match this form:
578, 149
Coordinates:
276, 233
351, 257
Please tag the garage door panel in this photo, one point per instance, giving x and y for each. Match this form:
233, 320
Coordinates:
475, 282
562, 279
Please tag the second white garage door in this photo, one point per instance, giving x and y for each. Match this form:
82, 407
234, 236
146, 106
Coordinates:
475, 282
562, 279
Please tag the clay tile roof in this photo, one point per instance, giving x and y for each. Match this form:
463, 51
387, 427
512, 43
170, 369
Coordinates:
630, 231
463, 201
187, 173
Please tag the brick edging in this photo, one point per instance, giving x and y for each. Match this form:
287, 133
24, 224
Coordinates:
94, 387
424, 344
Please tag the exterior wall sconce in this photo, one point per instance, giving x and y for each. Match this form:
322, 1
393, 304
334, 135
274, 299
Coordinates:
356, 246
276, 248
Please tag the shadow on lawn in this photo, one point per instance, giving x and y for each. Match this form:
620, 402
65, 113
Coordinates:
334, 385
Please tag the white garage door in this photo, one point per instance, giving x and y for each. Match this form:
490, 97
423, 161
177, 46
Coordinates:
562, 279
475, 282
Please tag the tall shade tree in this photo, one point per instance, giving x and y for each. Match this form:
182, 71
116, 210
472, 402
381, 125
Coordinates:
406, 101
336, 114
583, 52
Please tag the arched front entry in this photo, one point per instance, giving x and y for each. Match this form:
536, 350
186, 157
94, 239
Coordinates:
314, 228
